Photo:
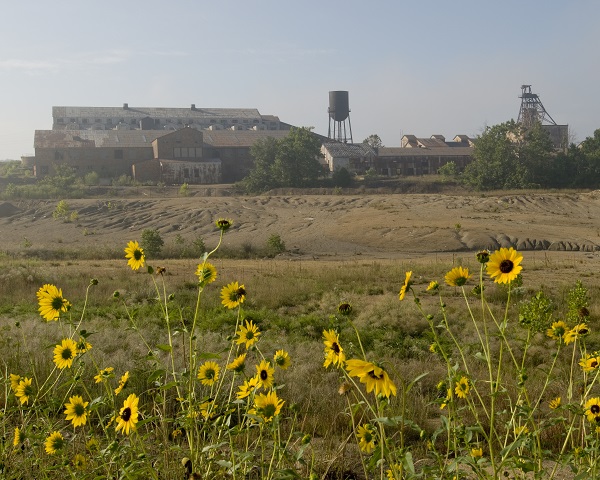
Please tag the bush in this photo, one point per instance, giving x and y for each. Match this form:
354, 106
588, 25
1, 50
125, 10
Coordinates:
151, 242
275, 245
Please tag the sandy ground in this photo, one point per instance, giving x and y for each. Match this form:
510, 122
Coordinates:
374, 225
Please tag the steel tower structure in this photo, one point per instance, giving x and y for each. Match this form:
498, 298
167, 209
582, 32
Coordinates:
532, 110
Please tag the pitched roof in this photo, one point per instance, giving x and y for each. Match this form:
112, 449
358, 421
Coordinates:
337, 149
156, 112
240, 138
425, 152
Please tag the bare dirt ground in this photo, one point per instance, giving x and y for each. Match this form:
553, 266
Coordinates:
318, 226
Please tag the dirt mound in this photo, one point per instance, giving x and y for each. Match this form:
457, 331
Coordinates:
8, 209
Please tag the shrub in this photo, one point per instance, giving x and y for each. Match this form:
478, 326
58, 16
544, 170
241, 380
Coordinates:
151, 242
275, 244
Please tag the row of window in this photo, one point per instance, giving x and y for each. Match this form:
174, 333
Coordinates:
157, 121
191, 152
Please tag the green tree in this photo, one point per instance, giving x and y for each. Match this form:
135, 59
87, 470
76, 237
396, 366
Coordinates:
374, 141
63, 177
289, 162
342, 178
151, 242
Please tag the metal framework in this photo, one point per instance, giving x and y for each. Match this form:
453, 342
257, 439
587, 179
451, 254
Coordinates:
339, 130
532, 110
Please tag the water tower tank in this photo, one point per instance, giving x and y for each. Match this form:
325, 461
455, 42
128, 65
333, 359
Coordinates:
339, 107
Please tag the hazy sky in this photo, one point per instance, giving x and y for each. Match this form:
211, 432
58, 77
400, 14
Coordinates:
420, 67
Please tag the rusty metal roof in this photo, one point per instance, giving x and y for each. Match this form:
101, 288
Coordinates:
240, 138
132, 112
353, 150
444, 151
96, 138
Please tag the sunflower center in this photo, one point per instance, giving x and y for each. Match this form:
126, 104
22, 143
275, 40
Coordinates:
79, 409
126, 414
240, 292
57, 303
249, 335
264, 375
506, 266
594, 363
269, 410
374, 376
210, 374
595, 409
67, 354
583, 331
137, 254
336, 348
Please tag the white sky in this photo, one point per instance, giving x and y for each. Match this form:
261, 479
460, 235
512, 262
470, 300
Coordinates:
422, 67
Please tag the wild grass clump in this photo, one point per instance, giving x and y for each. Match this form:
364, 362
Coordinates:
296, 372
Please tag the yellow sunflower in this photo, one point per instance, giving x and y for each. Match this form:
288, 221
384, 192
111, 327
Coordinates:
54, 443
135, 255
282, 359
433, 286
76, 410
65, 353
224, 224
557, 330
405, 287
24, 390
51, 302
462, 387
206, 273
366, 436
448, 399
265, 373
208, 409
457, 277
579, 330
104, 374
555, 403
592, 409
268, 405
208, 373
122, 383
477, 452
239, 364
19, 437
247, 388
504, 265
128, 415
373, 376
83, 346
248, 334
14, 381
334, 353
589, 362
344, 308
79, 461
233, 295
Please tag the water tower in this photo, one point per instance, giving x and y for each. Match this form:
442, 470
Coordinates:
339, 112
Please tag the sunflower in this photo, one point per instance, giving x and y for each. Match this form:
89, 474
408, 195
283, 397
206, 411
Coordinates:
128, 415
344, 308
208, 373
592, 409
557, 330
122, 383
51, 302
206, 273
448, 399
462, 387
282, 359
24, 390
365, 435
79, 461
238, 364
104, 374
248, 387
54, 443
555, 403
404, 288
248, 334
457, 277
268, 405
224, 224
65, 353
504, 265
579, 330
19, 437
477, 452
83, 346
264, 373
14, 381
76, 410
483, 256
208, 409
233, 295
334, 353
135, 255
589, 363
433, 286
373, 376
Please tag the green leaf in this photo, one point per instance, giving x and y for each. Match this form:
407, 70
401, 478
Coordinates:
164, 347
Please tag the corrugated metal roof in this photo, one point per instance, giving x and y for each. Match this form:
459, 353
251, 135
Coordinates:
157, 112
240, 138
96, 138
337, 149
425, 152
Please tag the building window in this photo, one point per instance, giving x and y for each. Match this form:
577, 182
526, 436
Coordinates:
177, 152
58, 156
44, 169
197, 172
84, 121
198, 152
60, 120
119, 154
186, 172
109, 121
